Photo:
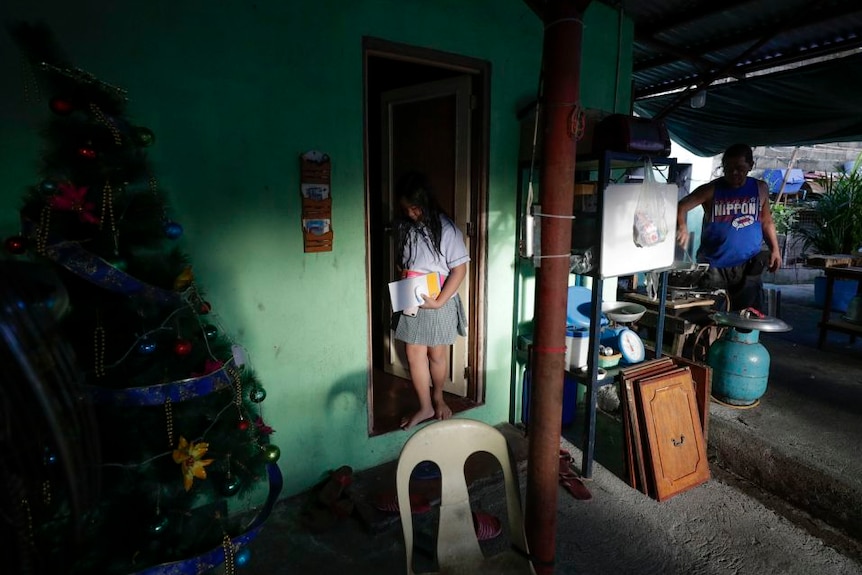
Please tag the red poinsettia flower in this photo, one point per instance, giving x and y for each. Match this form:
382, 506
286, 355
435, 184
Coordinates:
210, 365
73, 199
262, 428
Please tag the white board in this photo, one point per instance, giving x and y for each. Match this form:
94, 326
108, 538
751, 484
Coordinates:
620, 255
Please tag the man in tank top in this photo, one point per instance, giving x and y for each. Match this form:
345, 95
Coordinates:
736, 221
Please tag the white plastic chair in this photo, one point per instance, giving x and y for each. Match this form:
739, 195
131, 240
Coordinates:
448, 444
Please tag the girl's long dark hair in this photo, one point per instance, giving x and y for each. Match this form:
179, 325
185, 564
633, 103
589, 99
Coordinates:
414, 190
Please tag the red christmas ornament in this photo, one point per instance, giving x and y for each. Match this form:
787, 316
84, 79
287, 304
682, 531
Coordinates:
86, 152
242, 424
60, 106
205, 308
183, 347
16, 245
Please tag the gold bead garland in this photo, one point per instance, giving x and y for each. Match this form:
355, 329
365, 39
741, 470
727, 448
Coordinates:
25, 505
42, 232
108, 212
169, 421
100, 115
46, 492
229, 556
237, 388
154, 188
83, 77
99, 349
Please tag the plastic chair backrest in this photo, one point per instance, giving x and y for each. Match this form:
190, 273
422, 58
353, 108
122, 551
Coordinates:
448, 444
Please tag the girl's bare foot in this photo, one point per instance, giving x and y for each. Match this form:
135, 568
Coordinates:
442, 410
418, 417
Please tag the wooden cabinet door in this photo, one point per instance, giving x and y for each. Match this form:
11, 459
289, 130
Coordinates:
675, 445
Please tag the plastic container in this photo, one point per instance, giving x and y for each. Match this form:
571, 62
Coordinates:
842, 292
577, 345
610, 360
570, 399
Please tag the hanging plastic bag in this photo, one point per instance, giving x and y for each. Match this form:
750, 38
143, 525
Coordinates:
650, 223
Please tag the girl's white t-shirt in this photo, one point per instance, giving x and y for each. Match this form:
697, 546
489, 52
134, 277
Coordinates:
426, 260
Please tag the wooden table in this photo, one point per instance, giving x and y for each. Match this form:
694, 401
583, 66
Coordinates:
826, 322
676, 322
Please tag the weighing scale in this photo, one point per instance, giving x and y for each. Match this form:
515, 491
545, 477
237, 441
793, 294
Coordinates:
619, 337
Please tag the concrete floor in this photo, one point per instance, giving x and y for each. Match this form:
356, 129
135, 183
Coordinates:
801, 442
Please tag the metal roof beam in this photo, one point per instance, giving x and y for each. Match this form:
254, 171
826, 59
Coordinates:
811, 18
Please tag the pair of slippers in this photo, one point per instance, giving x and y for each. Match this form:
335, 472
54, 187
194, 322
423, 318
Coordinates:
485, 525
570, 480
330, 502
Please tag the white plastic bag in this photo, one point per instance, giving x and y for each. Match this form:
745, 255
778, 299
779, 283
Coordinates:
650, 225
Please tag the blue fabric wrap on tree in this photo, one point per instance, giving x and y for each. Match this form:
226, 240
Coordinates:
94, 269
204, 562
176, 391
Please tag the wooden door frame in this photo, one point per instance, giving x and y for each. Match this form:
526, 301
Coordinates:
481, 71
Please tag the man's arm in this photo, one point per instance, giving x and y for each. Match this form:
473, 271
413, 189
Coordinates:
768, 226
698, 197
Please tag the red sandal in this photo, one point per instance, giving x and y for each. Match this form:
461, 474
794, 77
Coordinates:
573, 484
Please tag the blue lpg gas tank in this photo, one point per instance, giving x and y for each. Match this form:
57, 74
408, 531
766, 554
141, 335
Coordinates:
739, 362
740, 367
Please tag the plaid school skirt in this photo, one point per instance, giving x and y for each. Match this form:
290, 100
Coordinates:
433, 326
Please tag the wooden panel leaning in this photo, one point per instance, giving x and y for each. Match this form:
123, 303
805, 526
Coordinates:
676, 451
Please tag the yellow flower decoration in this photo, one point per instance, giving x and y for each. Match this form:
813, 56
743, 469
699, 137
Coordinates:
185, 279
188, 455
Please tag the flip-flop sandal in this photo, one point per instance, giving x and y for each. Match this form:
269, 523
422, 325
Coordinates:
573, 484
388, 502
486, 525
334, 487
566, 461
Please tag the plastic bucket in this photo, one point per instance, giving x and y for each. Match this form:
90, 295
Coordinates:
570, 399
842, 292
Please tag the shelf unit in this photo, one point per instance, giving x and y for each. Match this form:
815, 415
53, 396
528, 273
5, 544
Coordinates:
604, 164
600, 167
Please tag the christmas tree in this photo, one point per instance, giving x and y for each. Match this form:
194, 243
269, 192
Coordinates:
187, 473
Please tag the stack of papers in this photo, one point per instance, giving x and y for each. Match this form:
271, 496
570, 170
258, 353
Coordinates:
407, 293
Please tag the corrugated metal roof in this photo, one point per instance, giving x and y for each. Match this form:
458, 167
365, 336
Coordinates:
679, 43
740, 52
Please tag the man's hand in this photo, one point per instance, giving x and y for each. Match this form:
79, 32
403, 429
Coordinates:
682, 235
774, 260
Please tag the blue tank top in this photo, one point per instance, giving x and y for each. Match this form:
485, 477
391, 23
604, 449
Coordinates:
732, 233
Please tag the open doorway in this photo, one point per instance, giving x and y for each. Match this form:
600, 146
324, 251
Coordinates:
427, 111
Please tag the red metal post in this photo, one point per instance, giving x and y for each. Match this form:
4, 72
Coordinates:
560, 108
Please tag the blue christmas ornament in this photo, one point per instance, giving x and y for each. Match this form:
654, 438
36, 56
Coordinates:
48, 186
257, 394
173, 230
146, 347
49, 457
243, 556
210, 331
159, 525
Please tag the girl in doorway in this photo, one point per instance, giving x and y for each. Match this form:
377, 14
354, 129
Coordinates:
428, 242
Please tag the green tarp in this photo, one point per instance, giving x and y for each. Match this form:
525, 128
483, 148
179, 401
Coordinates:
815, 104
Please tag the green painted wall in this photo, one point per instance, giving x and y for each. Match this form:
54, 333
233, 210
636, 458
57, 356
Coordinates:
234, 92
